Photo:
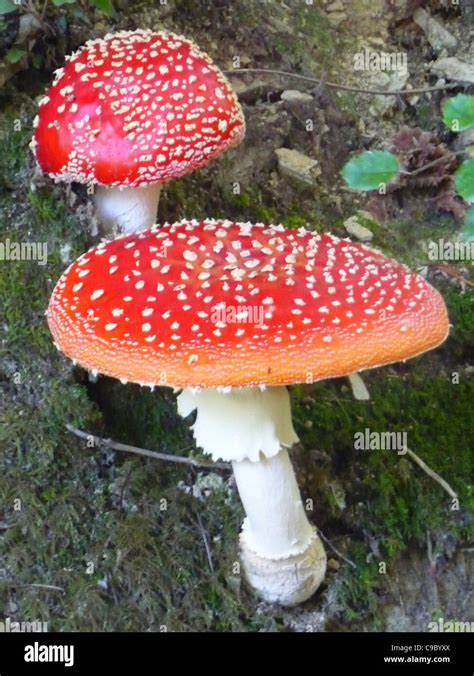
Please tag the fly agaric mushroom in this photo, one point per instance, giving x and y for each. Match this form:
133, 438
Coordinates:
230, 315
130, 111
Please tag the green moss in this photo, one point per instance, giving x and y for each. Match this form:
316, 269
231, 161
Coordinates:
427, 116
348, 103
295, 220
461, 316
46, 207
318, 37
264, 214
15, 135
357, 589
183, 198
242, 201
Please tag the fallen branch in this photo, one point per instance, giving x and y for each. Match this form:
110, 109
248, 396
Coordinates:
336, 551
117, 446
421, 463
347, 88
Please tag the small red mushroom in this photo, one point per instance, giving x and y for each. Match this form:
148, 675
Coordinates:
231, 313
130, 111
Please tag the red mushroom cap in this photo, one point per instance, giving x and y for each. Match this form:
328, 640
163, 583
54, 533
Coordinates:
135, 108
219, 304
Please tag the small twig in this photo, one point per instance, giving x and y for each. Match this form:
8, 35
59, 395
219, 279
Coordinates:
358, 387
117, 446
43, 11
124, 485
421, 463
429, 551
451, 272
347, 88
206, 543
336, 551
434, 163
38, 14
48, 587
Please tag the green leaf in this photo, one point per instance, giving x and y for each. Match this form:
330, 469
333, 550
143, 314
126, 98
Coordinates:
104, 6
458, 112
7, 6
468, 230
464, 180
14, 55
368, 170
60, 3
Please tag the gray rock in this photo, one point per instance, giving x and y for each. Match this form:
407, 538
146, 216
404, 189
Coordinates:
453, 68
336, 18
28, 28
250, 89
436, 34
336, 6
294, 164
394, 81
294, 96
357, 230
402, 9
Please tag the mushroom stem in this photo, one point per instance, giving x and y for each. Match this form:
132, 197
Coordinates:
282, 556
126, 210
276, 525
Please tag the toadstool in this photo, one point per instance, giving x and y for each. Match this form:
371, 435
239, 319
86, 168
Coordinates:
130, 111
232, 313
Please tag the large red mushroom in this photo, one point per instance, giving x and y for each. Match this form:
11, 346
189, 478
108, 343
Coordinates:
130, 111
232, 313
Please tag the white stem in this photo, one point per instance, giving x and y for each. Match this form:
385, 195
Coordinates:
276, 525
282, 556
126, 210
